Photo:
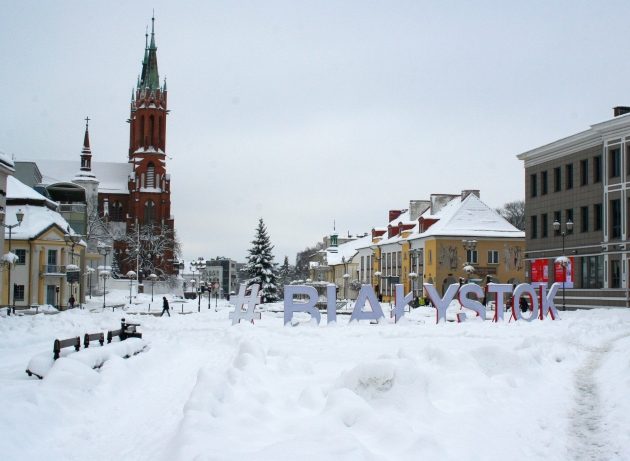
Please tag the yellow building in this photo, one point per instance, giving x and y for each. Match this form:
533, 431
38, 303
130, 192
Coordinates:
47, 257
440, 241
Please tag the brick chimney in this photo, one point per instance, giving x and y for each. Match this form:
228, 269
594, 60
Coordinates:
467, 192
417, 207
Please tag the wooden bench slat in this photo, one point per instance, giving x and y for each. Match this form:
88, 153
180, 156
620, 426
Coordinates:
61, 343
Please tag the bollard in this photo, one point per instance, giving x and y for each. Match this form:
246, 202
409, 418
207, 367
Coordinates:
182, 308
149, 308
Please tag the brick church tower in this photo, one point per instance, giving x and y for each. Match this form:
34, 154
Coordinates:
148, 204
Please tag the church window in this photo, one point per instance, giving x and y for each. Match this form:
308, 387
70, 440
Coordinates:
150, 177
149, 212
116, 211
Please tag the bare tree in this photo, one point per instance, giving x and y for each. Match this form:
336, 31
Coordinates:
303, 259
514, 213
151, 247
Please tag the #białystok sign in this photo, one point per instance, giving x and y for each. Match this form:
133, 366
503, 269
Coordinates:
468, 295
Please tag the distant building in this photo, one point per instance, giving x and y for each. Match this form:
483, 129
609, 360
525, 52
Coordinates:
227, 277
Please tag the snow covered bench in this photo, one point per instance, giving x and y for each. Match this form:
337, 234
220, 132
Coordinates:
127, 330
61, 343
40, 365
100, 337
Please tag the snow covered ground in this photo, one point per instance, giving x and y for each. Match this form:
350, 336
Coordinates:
204, 390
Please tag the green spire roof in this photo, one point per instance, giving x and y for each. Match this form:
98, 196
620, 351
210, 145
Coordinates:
150, 77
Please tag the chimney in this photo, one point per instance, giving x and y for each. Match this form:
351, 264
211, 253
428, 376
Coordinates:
393, 214
621, 110
417, 207
439, 200
467, 192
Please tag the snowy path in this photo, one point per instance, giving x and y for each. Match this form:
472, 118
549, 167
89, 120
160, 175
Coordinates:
588, 438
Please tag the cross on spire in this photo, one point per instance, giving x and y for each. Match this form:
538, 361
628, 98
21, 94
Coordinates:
87, 122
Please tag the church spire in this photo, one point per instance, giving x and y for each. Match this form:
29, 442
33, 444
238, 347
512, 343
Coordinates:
86, 152
149, 77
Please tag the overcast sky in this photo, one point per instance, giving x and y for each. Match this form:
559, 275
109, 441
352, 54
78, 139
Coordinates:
307, 113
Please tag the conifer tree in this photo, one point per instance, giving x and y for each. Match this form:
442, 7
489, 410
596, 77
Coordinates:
260, 265
284, 275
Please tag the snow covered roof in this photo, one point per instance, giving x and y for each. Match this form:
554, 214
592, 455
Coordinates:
112, 176
18, 191
36, 220
347, 250
468, 218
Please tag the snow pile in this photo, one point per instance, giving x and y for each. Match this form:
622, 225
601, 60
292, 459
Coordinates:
44, 364
408, 391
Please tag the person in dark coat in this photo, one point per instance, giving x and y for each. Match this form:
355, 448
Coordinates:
165, 306
71, 302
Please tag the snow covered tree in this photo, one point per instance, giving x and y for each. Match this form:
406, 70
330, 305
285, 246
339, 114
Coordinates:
260, 265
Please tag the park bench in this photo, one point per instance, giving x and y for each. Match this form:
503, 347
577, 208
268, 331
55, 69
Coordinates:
61, 343
100, 337
127, 330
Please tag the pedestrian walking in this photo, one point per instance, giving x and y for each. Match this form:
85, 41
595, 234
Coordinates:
165, 307
71, 302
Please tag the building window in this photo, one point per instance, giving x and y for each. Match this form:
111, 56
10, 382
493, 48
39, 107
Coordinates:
533, 185
592, 274
149, 212
597, 168
150, 176
471, 256
18, 292
544, 225
543, 183
584, 172
614, 162
569, 176
569, 215
493, 257
615, 273
21, 254
557, 179
52, 261
557, 217
533, 227
615, 218
116, 211
584, 219
598, 211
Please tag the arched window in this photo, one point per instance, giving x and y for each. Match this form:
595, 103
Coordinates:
150, 176
149, 212
116, 211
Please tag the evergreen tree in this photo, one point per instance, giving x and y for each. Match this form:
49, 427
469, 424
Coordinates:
285, 275
260, 265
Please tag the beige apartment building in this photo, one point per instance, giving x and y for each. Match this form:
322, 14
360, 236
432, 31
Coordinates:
580, 183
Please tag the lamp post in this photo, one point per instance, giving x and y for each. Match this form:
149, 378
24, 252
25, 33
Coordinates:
90, 271
197, 265
152, 277
104, 249
345, 277
72, 240
19, 215
131, 275
563, 260
413, 276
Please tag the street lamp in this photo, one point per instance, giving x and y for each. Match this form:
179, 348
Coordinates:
90, 271
346, 276
131, 275
19, 215
152, 277
563, 260
72, 240
104, 249
413, 276
197, 265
